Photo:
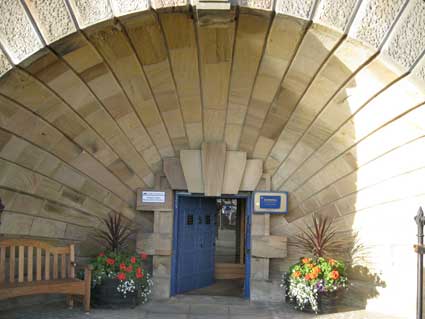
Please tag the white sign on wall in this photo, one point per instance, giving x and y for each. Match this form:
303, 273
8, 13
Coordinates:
153, 197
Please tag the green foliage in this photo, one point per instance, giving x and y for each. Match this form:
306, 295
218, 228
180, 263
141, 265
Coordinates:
309, 277
119, 265
127, 269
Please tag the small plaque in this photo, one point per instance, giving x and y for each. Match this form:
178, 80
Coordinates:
153, 197
154, 200
271, 202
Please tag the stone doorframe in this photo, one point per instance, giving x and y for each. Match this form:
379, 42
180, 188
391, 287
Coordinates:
159, 243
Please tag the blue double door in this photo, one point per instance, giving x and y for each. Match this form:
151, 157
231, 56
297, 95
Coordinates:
195, 242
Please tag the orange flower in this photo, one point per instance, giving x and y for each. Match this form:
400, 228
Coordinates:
296, 274
332, 262
307, 277
309, 265
313, 275
121, 276
306, 260
316, 270
334, 275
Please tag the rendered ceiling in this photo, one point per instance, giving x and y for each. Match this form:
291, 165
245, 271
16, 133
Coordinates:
94, 94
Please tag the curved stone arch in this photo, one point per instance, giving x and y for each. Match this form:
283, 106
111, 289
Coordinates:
341, 134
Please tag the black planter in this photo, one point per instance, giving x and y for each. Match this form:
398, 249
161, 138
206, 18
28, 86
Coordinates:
106, 295
328, 302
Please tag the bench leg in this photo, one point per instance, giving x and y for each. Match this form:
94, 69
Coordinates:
87, 302
70, 301
87, 289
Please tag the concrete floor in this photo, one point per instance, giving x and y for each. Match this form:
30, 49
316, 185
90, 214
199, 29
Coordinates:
184, 307
231, 288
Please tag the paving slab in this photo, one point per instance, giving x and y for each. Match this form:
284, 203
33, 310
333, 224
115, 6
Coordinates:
184, 307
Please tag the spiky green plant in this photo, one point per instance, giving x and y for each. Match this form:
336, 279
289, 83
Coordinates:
319, 238
116, 233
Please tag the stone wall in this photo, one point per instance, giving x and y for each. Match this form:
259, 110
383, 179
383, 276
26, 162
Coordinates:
329, 94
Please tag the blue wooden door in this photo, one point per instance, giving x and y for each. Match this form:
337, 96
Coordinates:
195, 243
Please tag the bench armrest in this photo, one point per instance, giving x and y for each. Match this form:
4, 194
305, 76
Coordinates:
87, 273
89, 267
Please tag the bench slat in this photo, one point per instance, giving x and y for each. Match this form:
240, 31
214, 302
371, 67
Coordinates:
63, 266
21, 262
72, 287
2, 264
34, 243
12, 264
71, 261
55, 266
38, 276
30, 264
47, 266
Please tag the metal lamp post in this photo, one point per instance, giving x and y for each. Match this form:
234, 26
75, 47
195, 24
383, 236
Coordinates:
1, 209
420, 250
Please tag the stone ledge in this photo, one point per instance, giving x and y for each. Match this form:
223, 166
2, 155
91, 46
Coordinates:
269, 246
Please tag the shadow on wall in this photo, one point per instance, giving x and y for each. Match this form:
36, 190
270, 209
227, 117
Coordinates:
324, 182
364, 283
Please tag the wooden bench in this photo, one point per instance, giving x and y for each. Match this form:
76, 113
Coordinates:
56, 275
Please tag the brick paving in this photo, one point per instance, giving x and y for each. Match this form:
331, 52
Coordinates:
184, 307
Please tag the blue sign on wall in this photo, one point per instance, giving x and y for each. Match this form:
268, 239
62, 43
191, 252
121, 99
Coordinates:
270, 201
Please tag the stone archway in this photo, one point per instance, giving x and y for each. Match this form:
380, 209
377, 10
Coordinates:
96, 95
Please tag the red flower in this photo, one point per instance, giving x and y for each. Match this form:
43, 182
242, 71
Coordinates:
139, 273
129, 268
101, 254
110, 261
121, 276
122, 266
144, 256
133, 260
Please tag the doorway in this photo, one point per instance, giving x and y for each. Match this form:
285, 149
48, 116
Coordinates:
211, 245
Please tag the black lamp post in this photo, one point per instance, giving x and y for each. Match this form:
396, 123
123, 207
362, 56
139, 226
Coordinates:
420, 250
1, 209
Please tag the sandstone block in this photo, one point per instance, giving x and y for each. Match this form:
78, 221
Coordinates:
269, 246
